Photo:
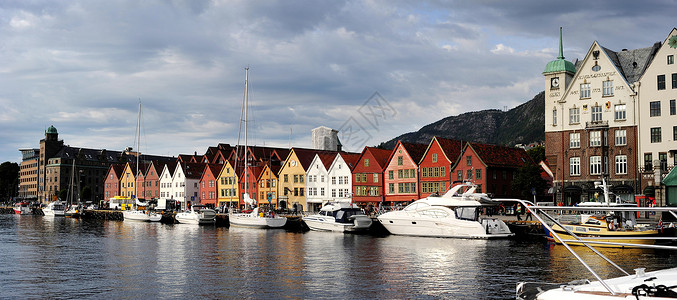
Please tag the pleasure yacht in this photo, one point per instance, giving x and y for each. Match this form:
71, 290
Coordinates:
55, 209
454, 214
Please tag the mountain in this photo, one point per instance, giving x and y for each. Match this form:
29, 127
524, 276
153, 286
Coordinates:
521, 125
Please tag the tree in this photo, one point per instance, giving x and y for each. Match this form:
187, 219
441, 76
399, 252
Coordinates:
537, 154
9, 180
63, 194
528, 177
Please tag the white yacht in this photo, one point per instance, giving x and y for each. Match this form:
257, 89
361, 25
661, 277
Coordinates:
257, 219
198, 214
55, 209
451, 215
340, 216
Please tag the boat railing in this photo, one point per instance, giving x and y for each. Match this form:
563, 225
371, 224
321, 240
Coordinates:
540, 212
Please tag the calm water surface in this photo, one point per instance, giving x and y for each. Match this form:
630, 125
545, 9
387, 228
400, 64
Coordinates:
68, 258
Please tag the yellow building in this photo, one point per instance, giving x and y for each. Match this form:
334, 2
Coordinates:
227, 187
127, 181
267, 186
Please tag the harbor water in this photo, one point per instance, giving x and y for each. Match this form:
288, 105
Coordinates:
63, 258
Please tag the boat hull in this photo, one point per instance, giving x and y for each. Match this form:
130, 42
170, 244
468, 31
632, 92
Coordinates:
603, 235
443, 227
203, 217
323, 223
136, 216
249, 220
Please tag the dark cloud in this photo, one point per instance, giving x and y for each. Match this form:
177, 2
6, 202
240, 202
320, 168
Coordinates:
82, 66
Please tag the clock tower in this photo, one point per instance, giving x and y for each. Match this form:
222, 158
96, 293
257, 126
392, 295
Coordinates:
558, 75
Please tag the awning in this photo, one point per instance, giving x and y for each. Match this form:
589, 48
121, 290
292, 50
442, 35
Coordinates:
671, 179
649, 191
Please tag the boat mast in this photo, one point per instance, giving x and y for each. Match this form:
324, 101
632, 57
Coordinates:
138, 142
245, 196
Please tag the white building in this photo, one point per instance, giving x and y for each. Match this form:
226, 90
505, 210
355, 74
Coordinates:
340, 183
317, 181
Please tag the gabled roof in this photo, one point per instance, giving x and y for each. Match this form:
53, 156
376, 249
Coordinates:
452, 149
214, 169
500, 156
350, 159
326, 159
415, 151
632, 63
116, 169
380, 155
193, 170
306, 156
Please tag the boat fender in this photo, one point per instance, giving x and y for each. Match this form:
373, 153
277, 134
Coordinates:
611, 225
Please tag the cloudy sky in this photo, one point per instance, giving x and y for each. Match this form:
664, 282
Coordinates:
374, 69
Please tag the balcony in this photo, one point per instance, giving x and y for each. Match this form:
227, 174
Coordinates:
596, 124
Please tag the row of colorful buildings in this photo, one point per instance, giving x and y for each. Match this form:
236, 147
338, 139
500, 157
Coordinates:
280, 177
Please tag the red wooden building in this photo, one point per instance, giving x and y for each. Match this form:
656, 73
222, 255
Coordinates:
208, 189
400, 175
435, 168
367, 174
491, 167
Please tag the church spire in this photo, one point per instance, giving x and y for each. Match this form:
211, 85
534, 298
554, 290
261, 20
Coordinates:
561, 51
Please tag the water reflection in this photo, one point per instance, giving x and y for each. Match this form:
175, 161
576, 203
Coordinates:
70, 258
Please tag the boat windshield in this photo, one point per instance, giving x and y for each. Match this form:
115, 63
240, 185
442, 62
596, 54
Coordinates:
469, 213
416, 205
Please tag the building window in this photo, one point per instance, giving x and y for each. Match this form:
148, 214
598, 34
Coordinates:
596, 114
469, 175
459, 174
595, 165
391, 188
663, 158
434, 157
621, 164
671, 59
620, 138
575, 166
468, 160
661, 82
674, 135
425, 172
574, 140
554, 117
674, 80
648, 161
366, 162
574, 115
443, 172
585, 90
375, 178
672, 107
391, 174
619, 112
595, 138
608, 88
399, 160
478, 174
655, 109
400, 174
656, 135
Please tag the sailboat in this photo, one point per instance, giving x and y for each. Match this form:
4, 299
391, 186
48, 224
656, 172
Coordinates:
256, 218
134, 214
72, 208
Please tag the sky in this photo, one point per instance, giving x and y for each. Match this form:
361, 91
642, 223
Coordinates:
371, 69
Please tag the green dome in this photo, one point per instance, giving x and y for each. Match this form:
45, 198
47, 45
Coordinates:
559, 65
52, 130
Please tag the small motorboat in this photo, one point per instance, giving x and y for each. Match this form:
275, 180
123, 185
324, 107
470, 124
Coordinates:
257, 219
55, 209
339, 216
22, 208
198, 214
